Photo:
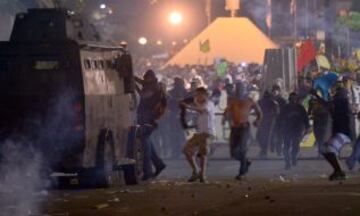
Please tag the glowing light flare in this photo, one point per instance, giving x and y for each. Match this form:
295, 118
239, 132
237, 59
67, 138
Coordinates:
102, 6
159, 42
142, 41
175, 18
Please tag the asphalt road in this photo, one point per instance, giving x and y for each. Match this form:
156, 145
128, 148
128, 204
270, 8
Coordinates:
267, 190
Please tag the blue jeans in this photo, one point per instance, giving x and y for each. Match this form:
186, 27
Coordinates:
239, 138
291, 149
150, 154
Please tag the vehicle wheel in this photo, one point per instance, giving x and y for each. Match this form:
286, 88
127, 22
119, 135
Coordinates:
133, 172
103, 174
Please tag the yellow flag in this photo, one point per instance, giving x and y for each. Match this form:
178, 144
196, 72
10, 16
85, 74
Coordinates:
358, 54
205, 46
323, 62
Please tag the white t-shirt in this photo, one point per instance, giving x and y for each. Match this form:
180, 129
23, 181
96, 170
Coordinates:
206, 119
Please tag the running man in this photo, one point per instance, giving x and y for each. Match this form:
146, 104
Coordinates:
239, 110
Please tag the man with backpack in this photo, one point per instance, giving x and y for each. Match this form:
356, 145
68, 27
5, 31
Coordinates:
151, 108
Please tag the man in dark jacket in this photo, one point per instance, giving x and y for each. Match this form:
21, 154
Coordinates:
276, 136
176, 132
341, 132
294, 122
270, 109
151, 107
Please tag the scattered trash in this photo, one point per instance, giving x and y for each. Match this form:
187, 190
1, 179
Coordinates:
246, 195
55, 214
101, 206
324, 176
112, 192
267, 197
272, 201
131, 191
228, 185
249, 188
124, 191
181, 183
114, 200
282, 178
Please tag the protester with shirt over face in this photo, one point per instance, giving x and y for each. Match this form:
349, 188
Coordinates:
239, 110
176, 132
199, 142
270, 109
294, 123
151, 107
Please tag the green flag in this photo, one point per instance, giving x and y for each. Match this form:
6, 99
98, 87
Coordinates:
205, 46
221, 69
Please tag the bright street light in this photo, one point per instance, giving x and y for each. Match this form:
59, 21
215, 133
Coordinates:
142, 41
102, 6
175, 18
159, 42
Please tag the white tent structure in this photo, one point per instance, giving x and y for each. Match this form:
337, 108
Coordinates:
235, 39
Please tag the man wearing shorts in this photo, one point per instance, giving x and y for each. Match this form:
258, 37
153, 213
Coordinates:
205, 131
341, 132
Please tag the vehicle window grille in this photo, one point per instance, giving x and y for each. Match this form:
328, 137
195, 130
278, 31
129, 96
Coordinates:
87, 64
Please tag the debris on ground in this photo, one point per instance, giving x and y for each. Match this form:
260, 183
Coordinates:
324, 176
115, 199
54, 214
101, 206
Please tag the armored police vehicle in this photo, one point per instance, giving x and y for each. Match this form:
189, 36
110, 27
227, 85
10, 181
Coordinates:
68, 95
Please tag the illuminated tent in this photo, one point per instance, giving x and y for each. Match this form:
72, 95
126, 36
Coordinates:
234, 39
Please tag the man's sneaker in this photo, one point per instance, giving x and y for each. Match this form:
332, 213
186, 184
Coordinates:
350, 164
238, 177
159, 170
337, 176
194, 177
203, 179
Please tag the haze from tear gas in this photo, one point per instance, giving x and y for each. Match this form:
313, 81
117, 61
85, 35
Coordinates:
24, 172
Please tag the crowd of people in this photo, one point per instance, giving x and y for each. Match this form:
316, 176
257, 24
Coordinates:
169, 109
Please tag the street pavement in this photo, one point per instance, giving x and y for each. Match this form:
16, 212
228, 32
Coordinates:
267, 190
